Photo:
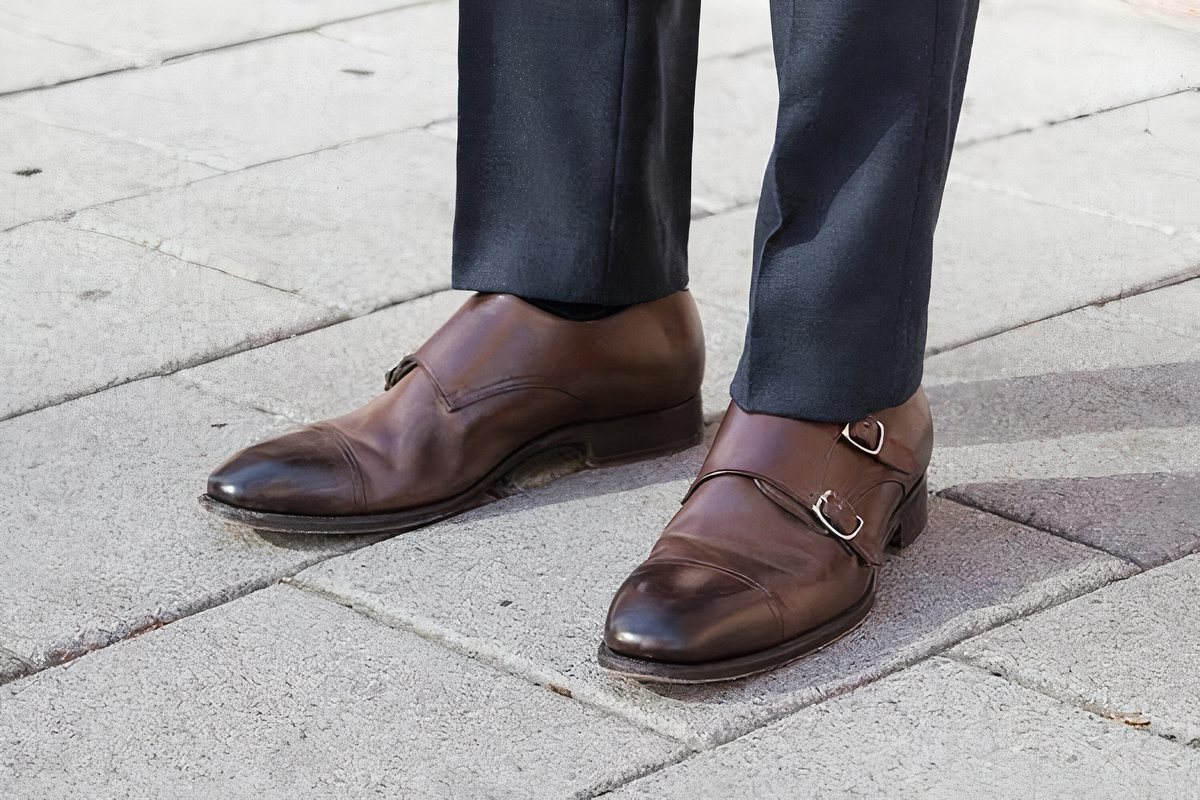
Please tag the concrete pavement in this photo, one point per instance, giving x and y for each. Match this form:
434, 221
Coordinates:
227, 220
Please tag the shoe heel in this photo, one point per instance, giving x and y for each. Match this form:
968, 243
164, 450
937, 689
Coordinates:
642, 436
911, 517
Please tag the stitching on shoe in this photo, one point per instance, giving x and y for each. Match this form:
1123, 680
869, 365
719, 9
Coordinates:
356, 480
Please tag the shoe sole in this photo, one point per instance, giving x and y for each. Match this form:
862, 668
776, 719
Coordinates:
602, 444
907, 524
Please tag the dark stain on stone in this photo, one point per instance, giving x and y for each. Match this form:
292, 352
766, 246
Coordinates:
219, 424
25, 173
505, 603
94, 294
360, 72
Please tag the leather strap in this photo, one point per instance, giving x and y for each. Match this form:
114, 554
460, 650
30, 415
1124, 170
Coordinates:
397, 373
866, 435
837, 511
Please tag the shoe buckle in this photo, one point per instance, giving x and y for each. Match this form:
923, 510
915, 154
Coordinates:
860, 445
818, 509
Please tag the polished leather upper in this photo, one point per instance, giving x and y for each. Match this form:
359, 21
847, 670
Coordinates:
746, 563
499, 374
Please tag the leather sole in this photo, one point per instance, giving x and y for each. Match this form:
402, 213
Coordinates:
908, 522
601, 444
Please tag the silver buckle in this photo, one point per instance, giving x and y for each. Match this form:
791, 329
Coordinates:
856, 443
817, 506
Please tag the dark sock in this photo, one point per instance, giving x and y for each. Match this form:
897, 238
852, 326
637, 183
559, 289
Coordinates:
577, 312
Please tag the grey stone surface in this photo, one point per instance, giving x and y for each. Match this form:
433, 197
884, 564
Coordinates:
1080, 455
938, 730
280, 694
734, 27
12, 666
90, 311
75, 170
47, 41
1148, 519
1126, 650
736, 104
526, 582
1002, 261
30, 61
1157, 327
1037, 61
1049, 406
359, 226
720, 252
1151, 158
267, 100
101, 532
331, 371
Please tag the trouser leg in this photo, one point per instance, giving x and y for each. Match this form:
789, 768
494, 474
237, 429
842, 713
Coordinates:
869, 99
575, 147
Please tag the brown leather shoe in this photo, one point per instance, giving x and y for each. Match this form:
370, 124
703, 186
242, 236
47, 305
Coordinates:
498, 384
776, 549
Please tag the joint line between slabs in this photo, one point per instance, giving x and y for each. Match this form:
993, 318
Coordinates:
182, 56
1137, 291
64, 654
473, 649
972, 504
202, 360
220, 172
1064, 120
1091, 708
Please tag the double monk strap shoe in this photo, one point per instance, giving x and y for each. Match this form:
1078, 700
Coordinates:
776, 550
502, 382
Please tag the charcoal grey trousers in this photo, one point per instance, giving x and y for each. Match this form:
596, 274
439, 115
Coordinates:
574, 177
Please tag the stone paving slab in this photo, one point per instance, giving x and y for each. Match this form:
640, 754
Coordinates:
359, 226
1126, 650
1037, 61
1050, 406
734, 27
525, 583
328, 372
91, 311
28, 62
1139, 164
1081, 455
937, 730
1157, 327
47, 171
266, 100
736, 106
1002, 261
100, 527
48, 41
281, 694
720, 253
1147, 519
